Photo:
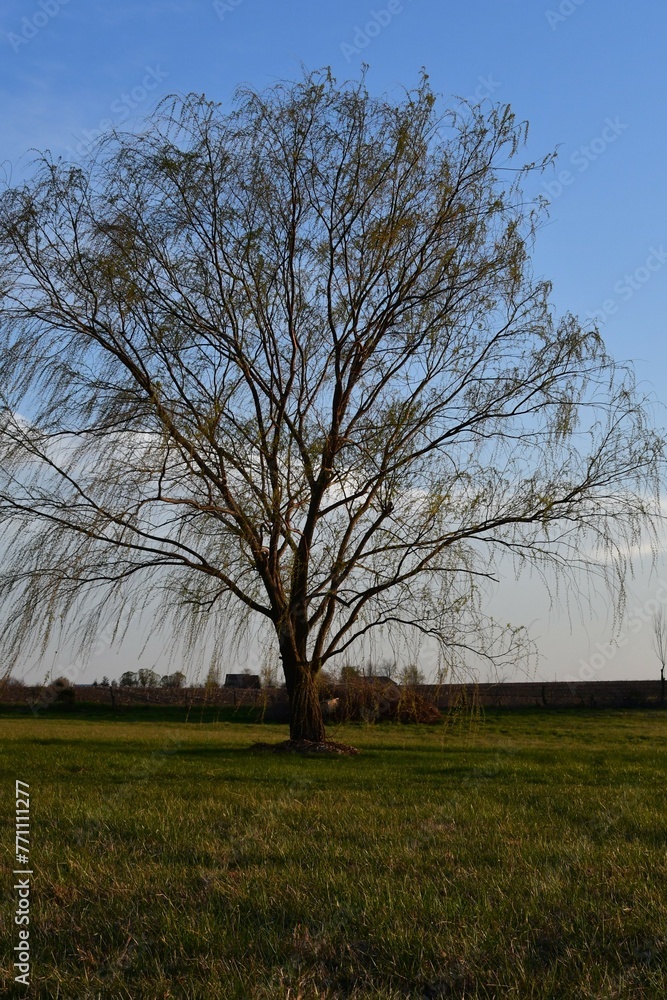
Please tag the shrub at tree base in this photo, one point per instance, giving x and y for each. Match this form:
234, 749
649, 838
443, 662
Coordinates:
414, 707
369, 700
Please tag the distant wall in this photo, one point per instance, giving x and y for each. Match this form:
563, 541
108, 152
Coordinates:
15, 694
557, 694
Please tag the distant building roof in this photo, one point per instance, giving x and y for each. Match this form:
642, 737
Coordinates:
243, 681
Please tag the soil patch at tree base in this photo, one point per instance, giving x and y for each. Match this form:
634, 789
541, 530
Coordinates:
329, 747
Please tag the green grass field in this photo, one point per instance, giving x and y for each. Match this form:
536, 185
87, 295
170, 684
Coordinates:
520, 856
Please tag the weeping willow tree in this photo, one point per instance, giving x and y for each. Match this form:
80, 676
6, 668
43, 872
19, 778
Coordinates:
290, 362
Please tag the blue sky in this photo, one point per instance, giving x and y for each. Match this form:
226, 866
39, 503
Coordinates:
588, 75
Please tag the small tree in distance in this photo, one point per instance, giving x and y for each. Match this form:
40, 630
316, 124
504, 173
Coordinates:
175, 680
411, 675
147, 678
212, 677
63, 689
268, 672
660, 647
290, 362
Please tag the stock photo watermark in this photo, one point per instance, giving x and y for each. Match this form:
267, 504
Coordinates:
606, 651
21, 951
629, 285
563, 12
585, 155
121, 108
224, 7
486, 87
31, 25
377, 21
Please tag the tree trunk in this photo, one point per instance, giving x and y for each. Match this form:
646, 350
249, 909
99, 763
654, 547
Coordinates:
306, 720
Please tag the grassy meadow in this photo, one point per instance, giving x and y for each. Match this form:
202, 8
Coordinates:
521, 855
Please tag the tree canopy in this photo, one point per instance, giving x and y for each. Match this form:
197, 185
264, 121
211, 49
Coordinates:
291, 361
